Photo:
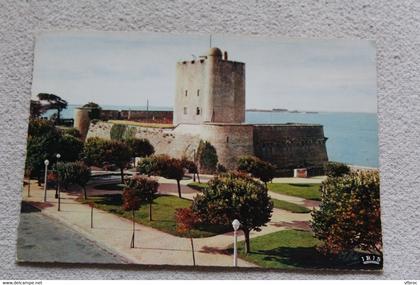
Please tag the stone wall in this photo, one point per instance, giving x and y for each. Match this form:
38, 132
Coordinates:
139, 115
287, 146
230, 141
291, 146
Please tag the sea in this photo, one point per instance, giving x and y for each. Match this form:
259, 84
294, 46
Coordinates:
352, 137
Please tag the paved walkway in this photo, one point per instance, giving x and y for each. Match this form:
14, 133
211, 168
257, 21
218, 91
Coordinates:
154, 246
114, 234
42, 239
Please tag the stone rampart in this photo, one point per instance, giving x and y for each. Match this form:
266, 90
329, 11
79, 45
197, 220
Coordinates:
290, 146
287, 146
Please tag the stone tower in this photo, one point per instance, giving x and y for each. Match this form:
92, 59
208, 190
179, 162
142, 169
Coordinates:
82, 121
210, 89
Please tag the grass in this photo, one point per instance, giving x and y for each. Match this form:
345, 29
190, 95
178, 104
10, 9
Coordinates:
110, 186
197, 186
163, 213
142, 124
296, 249
288, 206
306, 191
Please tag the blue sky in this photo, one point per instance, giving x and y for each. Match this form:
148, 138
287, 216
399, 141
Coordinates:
127, 68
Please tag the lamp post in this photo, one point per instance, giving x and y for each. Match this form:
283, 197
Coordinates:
56, 189
58, 184
235, 225
46, 162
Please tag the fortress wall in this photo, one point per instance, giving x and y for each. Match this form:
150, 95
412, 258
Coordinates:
165, 141
291, 146
230, 141
100, 129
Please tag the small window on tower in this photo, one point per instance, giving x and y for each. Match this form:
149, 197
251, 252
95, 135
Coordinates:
198, 92
198, 112
186, 93
185, 110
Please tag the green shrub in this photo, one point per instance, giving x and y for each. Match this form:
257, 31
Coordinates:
220, 168
71, 132
70, 148
336, 169
207, 157
148, 166
349, 214
140, 147
117, 132
94, 151
235, 196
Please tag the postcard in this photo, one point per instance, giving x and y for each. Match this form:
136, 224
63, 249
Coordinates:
201, 151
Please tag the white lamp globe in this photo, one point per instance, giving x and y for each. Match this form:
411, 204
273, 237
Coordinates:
236, 224
58, 156
46, 162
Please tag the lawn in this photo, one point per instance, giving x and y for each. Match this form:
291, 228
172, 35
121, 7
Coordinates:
288, 206
163, 213
306, 191
296, 249
142, 124
197, 186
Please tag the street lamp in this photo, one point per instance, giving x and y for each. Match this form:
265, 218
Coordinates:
56, 189
235, 225
46, 162
58, 183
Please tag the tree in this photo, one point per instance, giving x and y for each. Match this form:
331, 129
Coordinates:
53, 102
94, 151
258, 168
186, 219
235, 196
70, 148
140, 147
38, 127
74, 173
148, 166
118, 153
191, 167
131, 202
336, 169
145, 188
349, 213
35, 109
207, 157
172, 169
82, 175
43, 142
95, 110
